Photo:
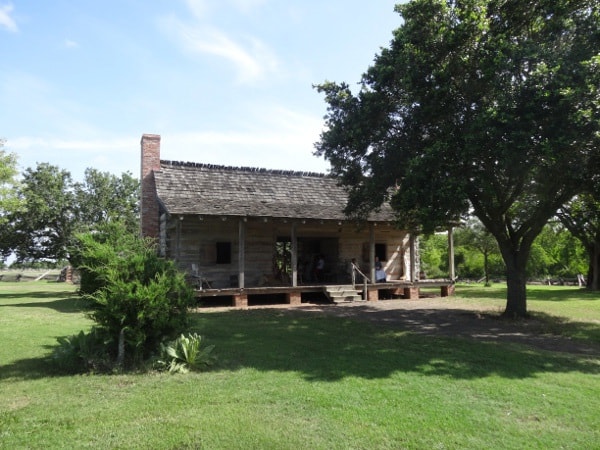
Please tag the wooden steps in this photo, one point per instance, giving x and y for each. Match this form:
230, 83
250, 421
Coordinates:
342, 294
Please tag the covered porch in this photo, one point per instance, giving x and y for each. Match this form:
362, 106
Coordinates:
321, 293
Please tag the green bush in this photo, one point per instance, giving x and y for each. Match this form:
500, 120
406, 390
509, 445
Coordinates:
185, 354
95, 250
137, 298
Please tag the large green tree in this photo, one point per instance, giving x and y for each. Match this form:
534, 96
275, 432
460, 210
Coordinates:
103, 197
476, 237
54, 208
490, 106
44, 226
9, 202
556, 253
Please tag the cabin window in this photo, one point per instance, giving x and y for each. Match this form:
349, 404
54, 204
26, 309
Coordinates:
381, 252
223, 252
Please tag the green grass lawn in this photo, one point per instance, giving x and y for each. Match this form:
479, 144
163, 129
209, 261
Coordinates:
305, 382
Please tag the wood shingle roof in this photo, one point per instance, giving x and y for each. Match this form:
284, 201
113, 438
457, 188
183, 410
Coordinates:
200, 189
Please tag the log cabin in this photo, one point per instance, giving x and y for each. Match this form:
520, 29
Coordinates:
243, 233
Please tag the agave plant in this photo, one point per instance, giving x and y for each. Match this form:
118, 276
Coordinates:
186, 353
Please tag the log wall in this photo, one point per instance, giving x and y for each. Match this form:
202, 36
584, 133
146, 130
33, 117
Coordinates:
190, 240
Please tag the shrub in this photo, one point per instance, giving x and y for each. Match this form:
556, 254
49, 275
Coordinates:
95, 250
186, 353
137, 298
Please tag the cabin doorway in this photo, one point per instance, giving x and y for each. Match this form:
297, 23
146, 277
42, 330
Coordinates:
282, 260
310, 249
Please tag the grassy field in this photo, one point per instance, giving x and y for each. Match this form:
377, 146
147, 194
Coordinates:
296, 382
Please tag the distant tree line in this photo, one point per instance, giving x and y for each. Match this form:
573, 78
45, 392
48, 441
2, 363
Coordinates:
556, 255
43, 209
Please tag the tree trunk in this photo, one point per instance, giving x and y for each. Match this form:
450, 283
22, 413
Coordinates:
594, 275
516, 297
121, 348
486, 268
516, 282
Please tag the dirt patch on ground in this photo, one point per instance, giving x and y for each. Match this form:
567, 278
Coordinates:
442, 317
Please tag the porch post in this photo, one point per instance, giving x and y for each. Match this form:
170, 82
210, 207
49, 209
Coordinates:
178, 239
372, 252
241, 253
294, 255
451, 253
413, 258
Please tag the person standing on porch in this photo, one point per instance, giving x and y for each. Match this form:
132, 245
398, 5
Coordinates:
320, 268
380, 276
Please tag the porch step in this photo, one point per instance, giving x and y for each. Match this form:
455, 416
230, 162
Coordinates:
342, 294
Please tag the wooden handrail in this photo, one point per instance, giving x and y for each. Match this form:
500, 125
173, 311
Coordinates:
365, 280
355, 267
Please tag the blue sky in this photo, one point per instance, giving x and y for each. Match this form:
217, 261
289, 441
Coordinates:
222, 81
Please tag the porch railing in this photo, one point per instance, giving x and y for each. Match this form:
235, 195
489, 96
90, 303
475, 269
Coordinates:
366, 280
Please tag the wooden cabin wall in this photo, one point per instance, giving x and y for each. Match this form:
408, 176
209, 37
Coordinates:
355, 244
193, 241
260, 243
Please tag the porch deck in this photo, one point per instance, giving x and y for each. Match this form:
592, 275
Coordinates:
296, 295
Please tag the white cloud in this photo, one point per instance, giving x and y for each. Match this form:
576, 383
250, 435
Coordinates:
202, 8
251, 58
213, 41
6, 21
111, 154
114, 144
71, 44
277, 150
276, 138
248, 5
198, 8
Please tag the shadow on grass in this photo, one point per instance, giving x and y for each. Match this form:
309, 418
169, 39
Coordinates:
28, 369
583, 331
65, 305
325, 348
331, 348
34, 295
71, 303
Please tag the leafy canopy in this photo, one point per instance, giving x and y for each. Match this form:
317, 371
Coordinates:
53, 208
487, 106
9, 202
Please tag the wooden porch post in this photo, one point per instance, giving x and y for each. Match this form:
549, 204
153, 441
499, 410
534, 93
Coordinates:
178, 239
412, 292
241, 253
413, 258
451, 253
294, 255
372, 251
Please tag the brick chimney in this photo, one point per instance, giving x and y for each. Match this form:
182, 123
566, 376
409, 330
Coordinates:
149, 212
